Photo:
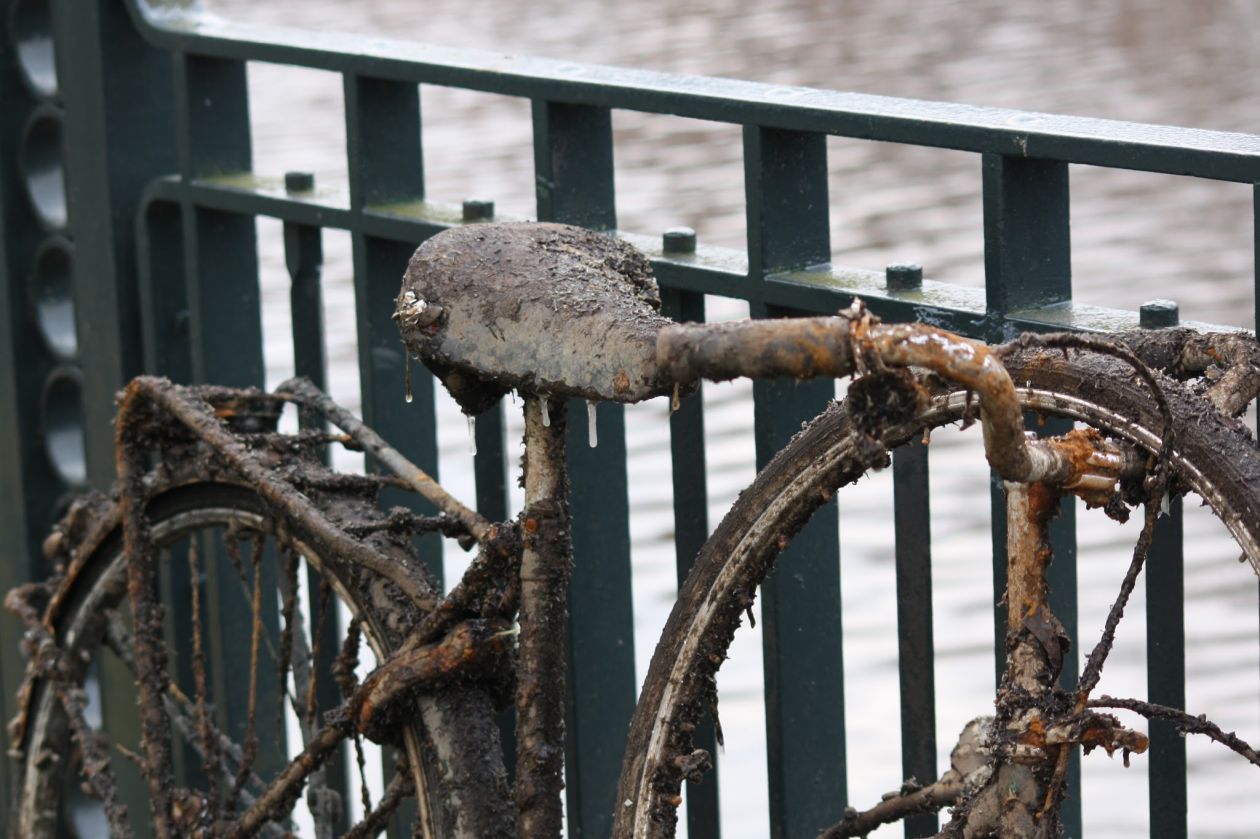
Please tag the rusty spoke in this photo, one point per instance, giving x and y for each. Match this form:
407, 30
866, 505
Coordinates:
365, 795
182, 712
1094, 664
288, 602
310, 707
250, 749
276, 802
209, 743
324, 802
184, 717
378, 819
348, 659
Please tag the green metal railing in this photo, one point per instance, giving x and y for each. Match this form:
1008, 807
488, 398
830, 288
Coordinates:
127, 243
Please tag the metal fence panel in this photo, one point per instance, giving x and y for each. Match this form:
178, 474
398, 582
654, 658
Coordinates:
127, 198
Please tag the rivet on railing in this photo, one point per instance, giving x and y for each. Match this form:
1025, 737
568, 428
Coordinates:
299, 181
1157, 313
476, 209
903, 276
678, 240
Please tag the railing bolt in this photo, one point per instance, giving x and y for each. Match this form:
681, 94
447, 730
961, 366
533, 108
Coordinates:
1157, 313
477, 210
299, 181
679, 240
903, 276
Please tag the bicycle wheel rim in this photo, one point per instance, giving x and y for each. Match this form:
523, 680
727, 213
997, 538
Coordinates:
828, 454
175, 514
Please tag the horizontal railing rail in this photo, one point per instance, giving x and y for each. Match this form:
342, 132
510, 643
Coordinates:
1098, 142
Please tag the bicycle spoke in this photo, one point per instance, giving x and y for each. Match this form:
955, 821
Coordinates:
276, 802
377, 820
365, 794
182, 712
251, 739
324, 802
243, 580
209, 743
325, 593
288, 604
1097, 657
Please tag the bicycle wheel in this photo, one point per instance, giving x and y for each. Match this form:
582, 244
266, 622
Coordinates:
220, 771
1214, 457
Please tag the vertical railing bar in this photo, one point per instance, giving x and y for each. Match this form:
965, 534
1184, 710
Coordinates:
163, 291
490, 464
385, 161
116, 92
383, 127
1062, 599
788, 227
225, 320
916, 654
1166, 665
1027, 236
304, 259
164, 323
163, 294
573, 167
20, 516
1028, 264
490, 475
997, 513
691, 528
1166, 673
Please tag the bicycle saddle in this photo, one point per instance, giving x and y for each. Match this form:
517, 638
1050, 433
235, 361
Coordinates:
547, 308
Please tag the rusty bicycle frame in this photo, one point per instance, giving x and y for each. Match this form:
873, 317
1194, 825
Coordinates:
556, 311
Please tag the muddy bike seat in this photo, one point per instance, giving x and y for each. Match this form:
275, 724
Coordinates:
546, 308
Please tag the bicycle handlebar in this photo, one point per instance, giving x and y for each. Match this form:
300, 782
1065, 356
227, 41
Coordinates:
844, 345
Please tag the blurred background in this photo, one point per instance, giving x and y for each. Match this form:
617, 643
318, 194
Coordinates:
1135, 237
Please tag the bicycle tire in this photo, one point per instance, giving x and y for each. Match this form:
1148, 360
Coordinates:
1215, 456
447, 726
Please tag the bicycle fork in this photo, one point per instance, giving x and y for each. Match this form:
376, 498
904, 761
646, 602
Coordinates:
1037, 723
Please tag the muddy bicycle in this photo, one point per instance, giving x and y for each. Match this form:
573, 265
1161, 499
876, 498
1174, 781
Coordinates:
552, 312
